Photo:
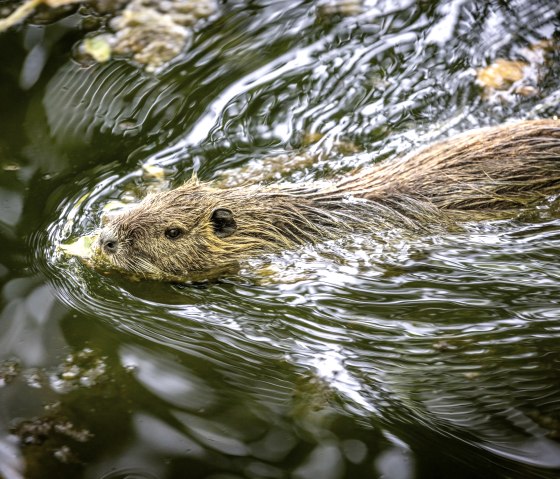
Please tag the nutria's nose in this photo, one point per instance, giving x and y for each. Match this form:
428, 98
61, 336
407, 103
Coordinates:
109, 243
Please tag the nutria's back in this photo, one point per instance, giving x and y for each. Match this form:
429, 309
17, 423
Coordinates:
494, 168
198, 227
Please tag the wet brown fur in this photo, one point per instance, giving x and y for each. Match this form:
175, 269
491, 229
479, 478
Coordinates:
498, 168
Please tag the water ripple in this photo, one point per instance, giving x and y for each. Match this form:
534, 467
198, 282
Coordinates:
453, 337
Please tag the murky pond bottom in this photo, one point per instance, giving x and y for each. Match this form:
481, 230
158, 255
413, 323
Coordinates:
396, 356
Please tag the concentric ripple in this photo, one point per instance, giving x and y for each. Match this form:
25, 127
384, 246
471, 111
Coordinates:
448, 340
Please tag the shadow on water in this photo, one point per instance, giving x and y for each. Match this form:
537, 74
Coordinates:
427, 357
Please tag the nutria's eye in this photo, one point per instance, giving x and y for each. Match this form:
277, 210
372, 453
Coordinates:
223, 222
173, 233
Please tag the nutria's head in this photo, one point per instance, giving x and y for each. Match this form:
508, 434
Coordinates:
168, 234
198, 228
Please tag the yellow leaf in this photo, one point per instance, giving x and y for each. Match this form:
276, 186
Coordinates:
501, 74
98, 47
59, 3
80, 247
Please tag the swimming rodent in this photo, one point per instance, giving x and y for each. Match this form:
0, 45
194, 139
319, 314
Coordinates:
198, 227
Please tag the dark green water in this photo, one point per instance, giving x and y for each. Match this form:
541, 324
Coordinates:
425, 357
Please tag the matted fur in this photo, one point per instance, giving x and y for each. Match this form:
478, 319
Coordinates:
490, 169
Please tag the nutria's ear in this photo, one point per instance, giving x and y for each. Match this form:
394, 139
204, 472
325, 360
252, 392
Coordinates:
224, 223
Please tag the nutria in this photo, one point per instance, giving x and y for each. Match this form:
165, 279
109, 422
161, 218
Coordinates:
198, 227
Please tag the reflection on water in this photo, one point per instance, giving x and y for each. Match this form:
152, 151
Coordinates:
398, 357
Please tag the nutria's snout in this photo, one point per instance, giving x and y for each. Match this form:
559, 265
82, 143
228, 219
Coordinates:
108, 242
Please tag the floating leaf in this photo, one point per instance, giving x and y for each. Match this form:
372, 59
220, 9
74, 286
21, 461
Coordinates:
501, 74
81, 247
59, 3
98, 48
154, 171
19, 14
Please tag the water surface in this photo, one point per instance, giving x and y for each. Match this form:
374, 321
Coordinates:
399, 357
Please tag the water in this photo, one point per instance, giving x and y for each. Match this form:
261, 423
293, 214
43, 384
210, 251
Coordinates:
395, 357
